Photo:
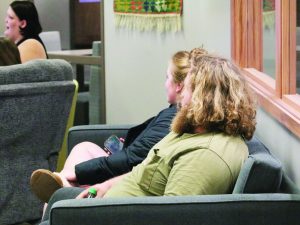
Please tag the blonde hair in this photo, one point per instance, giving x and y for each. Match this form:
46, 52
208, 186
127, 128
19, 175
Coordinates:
221, 99
181, 63
180, 66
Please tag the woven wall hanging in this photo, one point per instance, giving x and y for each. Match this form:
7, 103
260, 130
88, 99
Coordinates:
145, 15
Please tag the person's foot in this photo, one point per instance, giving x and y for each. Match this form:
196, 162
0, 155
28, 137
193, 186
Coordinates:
44, 183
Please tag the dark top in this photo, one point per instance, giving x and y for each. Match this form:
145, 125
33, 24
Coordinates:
35, 37
138, 142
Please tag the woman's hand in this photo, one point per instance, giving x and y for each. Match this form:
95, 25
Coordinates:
101, 190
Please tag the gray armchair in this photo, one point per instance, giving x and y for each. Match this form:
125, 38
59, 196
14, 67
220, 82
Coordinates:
263, 195
35, 102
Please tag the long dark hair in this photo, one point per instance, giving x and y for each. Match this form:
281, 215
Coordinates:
9, 53
26, 10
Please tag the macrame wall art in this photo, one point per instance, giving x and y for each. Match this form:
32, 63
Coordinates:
146, 15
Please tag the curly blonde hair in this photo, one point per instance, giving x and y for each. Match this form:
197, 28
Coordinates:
221, 100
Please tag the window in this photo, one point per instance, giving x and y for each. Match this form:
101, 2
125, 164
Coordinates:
264, 45
269, 37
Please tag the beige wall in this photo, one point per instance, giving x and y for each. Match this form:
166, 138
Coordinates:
136, 62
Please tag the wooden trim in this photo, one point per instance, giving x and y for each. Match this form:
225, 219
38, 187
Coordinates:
239, 32
254, 35
285, 47
292, 47
293, 100
286, 110
264, 80
246, 30
285, 35
279, 53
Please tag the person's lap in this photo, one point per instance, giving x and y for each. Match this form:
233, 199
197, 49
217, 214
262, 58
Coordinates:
82, 152
60, 194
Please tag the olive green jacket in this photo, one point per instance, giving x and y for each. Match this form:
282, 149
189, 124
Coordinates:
190, 164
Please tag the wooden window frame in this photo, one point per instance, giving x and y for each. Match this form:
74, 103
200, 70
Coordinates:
277, 96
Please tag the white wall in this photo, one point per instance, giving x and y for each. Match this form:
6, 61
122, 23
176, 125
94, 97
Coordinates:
136, 62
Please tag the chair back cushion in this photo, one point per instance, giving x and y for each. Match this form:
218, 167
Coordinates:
34, 71
51, 40
261, 172
35, 102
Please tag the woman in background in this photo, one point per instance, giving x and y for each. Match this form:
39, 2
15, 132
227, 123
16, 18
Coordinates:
23, 28
9, 53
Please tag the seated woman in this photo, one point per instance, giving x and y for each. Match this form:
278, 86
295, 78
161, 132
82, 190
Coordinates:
206, 148
23, 28
89, 164
9, 53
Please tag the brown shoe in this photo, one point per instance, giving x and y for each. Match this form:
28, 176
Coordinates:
44, 183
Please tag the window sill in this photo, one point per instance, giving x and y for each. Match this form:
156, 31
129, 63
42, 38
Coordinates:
286, 110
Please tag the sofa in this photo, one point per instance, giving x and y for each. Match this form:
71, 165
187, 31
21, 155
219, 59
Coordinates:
263, 195
35, 103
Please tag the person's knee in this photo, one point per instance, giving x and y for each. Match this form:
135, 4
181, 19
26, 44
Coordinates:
84, 144
65, 193
88, 148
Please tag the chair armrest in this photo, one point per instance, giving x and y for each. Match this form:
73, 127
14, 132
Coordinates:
94, 133
238, 209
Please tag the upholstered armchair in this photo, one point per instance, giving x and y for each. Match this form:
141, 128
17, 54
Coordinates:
35, 103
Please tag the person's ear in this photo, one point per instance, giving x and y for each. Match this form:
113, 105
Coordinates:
179, 87
23, 23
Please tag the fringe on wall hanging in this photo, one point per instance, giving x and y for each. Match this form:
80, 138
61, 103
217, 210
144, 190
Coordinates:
145, 15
